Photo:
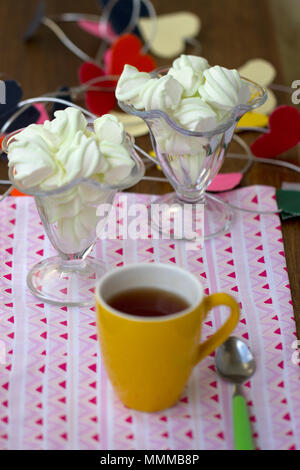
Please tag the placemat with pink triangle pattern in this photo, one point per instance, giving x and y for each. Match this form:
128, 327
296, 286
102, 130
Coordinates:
54, 392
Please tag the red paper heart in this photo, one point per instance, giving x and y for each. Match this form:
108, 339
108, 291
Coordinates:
98, 102
127, 50
284, 133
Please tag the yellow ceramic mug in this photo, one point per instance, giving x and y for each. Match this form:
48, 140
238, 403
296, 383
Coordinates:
149, 359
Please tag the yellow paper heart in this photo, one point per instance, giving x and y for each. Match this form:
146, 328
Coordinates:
134, 125
262, 72
253, 119
171, 31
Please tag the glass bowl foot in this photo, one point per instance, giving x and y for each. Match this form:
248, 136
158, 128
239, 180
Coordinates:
217, 216
70, 283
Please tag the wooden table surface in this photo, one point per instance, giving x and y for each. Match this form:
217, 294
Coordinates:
230, 35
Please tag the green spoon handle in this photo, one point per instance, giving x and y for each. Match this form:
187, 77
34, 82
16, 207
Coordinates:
241, 424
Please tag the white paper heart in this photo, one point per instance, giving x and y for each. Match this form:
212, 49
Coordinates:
258, 70
269, 105
262, 72
134, 125
171, 31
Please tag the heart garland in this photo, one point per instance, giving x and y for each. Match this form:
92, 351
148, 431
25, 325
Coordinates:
284, 122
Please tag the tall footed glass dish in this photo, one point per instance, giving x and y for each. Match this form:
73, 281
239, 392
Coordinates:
73, 217
190, 160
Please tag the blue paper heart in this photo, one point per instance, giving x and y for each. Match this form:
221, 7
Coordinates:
60, 106
121, 13
13, 95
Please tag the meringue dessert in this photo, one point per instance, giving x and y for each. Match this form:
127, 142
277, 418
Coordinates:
196, 96
49, 156
191, 86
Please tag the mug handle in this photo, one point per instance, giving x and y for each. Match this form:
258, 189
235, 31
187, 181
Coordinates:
209, 302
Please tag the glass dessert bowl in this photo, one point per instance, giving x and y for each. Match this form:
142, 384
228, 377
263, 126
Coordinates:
190, 160
73, 222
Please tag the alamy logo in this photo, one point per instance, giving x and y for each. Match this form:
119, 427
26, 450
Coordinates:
296, 93
2, 92
296, 354
2, 352
160, 221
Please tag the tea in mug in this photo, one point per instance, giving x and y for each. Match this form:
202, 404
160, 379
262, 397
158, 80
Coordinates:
148, 302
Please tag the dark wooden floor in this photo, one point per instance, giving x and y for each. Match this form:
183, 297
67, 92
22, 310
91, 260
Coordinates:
230, 35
